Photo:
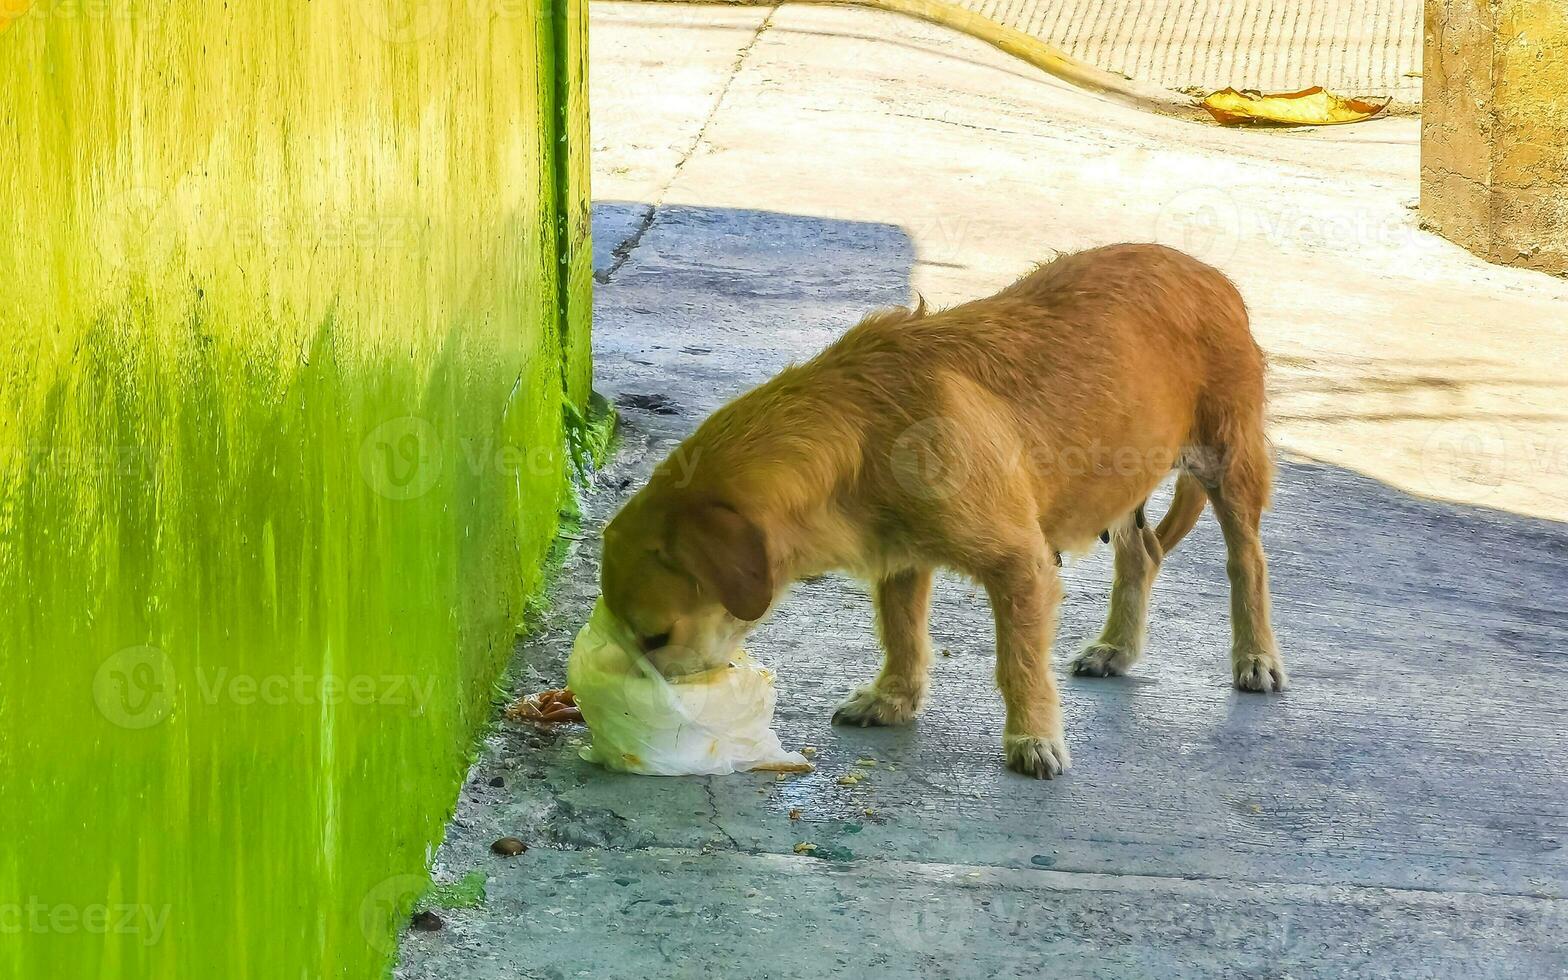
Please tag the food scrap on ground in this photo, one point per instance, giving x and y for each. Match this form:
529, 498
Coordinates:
1314, 106
555, 707
426, 921
784, 769
849, 779
805, 847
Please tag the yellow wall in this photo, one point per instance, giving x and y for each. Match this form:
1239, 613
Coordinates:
1494, 140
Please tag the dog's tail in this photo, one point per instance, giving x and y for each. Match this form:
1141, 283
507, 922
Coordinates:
1186, 507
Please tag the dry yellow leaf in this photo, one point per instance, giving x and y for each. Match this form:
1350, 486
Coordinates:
1310, 107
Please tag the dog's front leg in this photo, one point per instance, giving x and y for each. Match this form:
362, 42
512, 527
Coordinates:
903, 602
1025, 593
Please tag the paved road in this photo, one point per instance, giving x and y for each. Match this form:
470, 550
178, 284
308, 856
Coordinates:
1400, 812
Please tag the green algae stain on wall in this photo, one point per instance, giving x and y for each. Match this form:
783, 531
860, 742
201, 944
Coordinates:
280, 455
574, 177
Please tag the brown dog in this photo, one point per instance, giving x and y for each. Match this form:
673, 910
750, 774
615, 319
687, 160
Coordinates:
988, 438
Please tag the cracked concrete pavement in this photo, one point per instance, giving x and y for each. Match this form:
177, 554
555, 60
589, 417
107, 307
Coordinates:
766, 177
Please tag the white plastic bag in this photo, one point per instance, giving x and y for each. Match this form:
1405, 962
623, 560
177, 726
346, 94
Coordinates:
708, 724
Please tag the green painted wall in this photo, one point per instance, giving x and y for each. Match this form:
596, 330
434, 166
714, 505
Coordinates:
293, 295
575, 177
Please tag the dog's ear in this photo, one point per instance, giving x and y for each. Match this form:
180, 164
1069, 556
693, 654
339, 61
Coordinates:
727, 555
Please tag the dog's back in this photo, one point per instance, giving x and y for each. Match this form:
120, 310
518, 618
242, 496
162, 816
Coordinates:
1072, 392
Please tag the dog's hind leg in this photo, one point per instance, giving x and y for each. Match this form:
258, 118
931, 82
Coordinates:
1138, 556
903, 602
1239, 498
1025, 592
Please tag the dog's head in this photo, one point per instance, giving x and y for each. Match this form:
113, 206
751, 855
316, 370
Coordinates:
688, 574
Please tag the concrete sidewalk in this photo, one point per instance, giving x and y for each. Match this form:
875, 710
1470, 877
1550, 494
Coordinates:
764, 178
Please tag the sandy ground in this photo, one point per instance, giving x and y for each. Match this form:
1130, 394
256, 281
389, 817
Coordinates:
763, 178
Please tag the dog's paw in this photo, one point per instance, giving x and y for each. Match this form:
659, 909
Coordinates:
1259, 671
1103, 660
872, 705
1042, 758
